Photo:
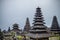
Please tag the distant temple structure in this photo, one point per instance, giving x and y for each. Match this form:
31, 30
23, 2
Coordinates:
55, 29
27, 26
9, 29
39, 31
11, 34
16, 28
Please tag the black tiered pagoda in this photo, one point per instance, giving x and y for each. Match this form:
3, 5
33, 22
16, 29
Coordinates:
39, 30
16, 28
27, 26
55, 26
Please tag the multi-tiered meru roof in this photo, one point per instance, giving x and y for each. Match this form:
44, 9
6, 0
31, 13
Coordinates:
55, 26
39, 30
27, 26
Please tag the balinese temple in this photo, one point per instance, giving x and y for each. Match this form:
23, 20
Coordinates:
7, 34
39, 30
10, 34
27, 26
16, 28
55, 26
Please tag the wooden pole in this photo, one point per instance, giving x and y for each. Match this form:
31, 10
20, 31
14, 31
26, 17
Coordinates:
37, 36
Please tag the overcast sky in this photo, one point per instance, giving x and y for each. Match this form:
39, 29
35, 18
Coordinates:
16, 11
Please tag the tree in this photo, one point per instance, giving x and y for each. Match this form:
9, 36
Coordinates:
1, 35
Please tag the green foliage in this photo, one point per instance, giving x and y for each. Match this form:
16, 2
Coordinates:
13, 33
21, 37
54, 38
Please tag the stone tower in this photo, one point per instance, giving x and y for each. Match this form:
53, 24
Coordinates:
27, 26
39, 30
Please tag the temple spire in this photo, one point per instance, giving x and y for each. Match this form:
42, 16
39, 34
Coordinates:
27, 25
55, 24
27, 21
38, 28
38, 20
9, 29
55, 29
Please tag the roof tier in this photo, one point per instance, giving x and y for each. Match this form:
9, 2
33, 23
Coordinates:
43, 35
39, 30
